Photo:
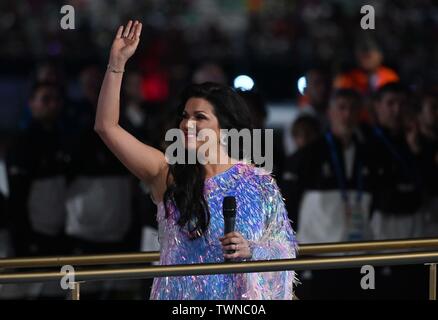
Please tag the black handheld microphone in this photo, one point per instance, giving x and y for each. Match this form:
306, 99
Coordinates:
229, 212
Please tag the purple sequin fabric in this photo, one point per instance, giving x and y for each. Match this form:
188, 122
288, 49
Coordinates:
261, 218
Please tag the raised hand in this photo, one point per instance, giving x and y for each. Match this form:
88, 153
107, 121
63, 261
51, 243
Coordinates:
125, 44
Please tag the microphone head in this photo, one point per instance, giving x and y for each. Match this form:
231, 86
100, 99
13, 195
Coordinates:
229, 205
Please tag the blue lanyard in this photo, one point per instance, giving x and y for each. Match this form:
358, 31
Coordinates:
340, 176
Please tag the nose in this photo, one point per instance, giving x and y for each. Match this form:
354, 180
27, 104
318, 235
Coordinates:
396, 108
190, 125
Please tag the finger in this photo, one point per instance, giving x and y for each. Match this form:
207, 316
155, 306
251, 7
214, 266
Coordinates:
232, 247
233, 234
138, 32
229, 247
119, 32
232, 255
127, 29
231, 241
132, 32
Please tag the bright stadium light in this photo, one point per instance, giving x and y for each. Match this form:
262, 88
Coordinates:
244, 83
302, 84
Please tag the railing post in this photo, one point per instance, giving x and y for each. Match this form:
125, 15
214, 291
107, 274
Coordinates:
432, 281
76, 291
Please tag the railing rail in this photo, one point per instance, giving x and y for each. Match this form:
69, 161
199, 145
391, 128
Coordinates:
310, 263
144, 257
222, 268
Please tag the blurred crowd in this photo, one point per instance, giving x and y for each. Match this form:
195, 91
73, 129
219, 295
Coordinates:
269, 39
363, 165
358, 161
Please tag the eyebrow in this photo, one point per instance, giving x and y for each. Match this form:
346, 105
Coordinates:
197, 111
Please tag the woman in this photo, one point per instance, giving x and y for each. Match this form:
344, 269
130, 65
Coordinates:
189, 196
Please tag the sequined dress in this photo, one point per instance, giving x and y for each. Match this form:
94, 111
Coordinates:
261, 218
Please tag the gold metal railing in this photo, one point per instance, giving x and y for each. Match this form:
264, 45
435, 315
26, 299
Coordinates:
144, 257
234, 267
312, 263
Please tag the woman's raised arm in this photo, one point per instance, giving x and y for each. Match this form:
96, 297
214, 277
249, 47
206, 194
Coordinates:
147, 163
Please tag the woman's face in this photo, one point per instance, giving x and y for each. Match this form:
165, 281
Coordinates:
198, 115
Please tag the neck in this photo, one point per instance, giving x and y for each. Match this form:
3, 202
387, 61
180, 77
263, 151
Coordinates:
393, 131
47, 124
223, 162
371, 71
212, 170
345, 138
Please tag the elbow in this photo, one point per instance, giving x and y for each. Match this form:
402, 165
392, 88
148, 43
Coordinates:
104, 130
99, 129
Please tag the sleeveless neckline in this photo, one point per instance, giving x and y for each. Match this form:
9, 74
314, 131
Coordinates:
212, 178
223, 172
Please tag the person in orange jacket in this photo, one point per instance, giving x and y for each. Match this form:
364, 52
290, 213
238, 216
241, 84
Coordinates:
369, 76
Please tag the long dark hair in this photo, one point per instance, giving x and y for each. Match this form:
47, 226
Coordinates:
186, 181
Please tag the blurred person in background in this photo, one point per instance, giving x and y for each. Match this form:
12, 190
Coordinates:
371, 74
423, 140
143, 118
397, 196
99, 193
89, 78
79, 114
317, 91
100, 199
133, 105
209, 72
313, 103
257, 106
334, 169
259, 113
328, 192
37, 162
305, 131
45, 72
398, 188
428, 119
49, 71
